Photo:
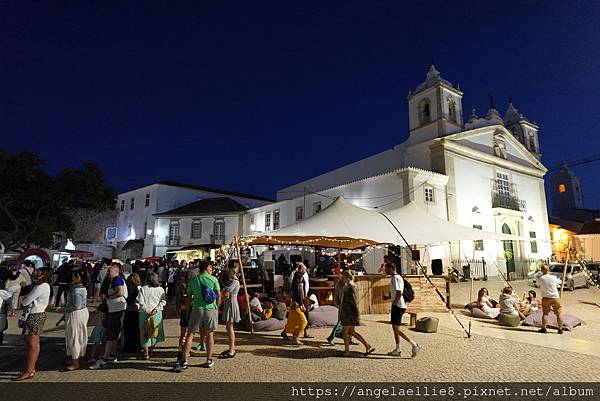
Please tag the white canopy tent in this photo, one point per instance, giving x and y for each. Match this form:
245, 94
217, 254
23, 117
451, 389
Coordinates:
347, 226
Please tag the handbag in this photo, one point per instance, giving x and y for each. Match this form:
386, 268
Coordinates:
151, 329
23, 316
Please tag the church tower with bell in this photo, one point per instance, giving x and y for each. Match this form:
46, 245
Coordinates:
434, 108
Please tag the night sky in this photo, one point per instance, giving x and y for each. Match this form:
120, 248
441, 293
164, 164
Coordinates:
256, 96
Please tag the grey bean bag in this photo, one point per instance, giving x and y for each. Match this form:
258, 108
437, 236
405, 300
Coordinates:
271, 324
427, 324
509, 320
535, 319
323, 316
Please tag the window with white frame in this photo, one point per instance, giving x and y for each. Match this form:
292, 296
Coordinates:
429, 195
219, 232
132, 204
479, 243
503, 183
299, 213
316, 207
275, 219
533, 236
174, 232
147, 200
123, 205
268, 221
196, 229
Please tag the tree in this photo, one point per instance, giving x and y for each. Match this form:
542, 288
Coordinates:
34, 205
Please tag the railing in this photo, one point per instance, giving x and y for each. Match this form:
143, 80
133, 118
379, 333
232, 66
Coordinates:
173, 241
507, 198
481, 269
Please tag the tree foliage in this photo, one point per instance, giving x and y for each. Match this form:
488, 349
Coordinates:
34, 205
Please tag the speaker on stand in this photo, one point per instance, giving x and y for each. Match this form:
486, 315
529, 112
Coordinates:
437, 267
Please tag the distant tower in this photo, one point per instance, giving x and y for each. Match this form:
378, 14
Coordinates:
434, 109
566, 190
525, 131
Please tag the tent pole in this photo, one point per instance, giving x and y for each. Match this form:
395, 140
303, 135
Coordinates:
237, 247
562, 283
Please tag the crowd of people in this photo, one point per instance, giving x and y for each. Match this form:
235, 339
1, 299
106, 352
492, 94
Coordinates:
129, 299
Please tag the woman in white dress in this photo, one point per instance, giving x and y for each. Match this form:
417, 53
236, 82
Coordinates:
485, 304
76, 320
151, 299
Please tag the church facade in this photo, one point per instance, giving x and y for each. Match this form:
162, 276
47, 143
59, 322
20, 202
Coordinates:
483, 173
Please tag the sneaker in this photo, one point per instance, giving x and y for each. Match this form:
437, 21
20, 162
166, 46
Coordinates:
394, 353
543, 331
208, 364
179, 366
560, 331
415, 350
100, 363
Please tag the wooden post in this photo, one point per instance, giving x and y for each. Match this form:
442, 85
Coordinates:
237, 247
471, 294
562, 283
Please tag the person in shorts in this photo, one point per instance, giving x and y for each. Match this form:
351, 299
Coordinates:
549, 285
204, 316
116, 299
398, 310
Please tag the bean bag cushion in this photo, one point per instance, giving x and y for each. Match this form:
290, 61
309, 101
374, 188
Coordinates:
279, 311
509, 320
271, 324
535, 319
323, 316
479, 314
427, 324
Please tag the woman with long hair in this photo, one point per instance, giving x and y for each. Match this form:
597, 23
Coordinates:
33, 317
349, 314
296, 318
151, 299
131, 319
76, 319
231, 309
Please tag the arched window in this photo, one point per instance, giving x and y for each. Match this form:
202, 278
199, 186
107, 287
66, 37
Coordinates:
424, 112
451, 110
532, 142
562, 188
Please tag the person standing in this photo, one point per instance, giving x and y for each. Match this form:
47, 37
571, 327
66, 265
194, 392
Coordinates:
76, 319
151, 300
34, 304
231, 310
549, 287
398, 310
103, 269
127, 268
131, 319
63, 281
349, 314
116, 300
204, 314
386, 261
297, 321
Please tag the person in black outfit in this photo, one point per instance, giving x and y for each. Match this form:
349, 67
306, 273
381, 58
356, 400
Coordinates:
131, 323
63, 280
6, 274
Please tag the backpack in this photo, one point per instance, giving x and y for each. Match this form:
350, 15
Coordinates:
208, 293
408, 294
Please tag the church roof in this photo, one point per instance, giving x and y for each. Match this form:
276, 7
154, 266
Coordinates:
433, 77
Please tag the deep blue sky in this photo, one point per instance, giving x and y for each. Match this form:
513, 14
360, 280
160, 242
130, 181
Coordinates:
255, 96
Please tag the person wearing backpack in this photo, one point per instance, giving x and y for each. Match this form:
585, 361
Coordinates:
203, 299
399, 298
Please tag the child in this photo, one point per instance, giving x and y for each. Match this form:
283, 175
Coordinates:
97, 337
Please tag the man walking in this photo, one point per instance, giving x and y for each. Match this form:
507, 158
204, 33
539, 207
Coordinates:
549, 285
204, 316
398, 309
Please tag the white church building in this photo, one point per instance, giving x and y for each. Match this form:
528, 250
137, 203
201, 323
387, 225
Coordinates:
483, 173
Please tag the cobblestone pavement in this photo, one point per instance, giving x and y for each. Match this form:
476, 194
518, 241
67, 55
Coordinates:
447, 355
